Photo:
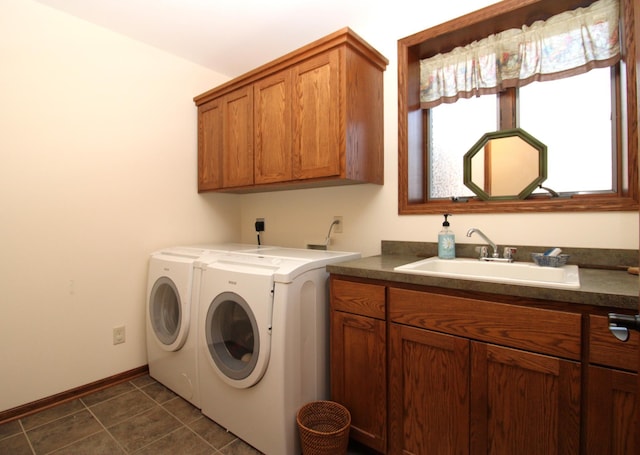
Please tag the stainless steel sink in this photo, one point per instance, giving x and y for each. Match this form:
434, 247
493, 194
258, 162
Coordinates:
522, 273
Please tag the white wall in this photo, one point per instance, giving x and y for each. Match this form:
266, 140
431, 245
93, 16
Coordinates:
371, 212
97, 169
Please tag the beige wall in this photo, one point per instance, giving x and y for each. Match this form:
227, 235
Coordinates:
371, 212
98, 169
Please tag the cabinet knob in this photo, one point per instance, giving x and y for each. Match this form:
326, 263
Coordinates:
620, 324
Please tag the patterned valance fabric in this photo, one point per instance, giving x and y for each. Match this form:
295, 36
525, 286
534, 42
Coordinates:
567, 44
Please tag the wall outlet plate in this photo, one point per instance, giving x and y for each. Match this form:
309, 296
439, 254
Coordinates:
118, 335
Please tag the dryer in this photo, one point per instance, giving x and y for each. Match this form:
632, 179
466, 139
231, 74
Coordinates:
171, 315
263, 342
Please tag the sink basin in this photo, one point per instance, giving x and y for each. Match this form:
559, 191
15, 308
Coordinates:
522, 273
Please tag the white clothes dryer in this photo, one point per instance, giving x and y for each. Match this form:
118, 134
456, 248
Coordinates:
263, 342
171, 315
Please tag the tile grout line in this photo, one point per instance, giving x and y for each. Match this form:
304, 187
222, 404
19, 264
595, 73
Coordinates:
124, 450
135, 388
185, 424
33, 450
70, 414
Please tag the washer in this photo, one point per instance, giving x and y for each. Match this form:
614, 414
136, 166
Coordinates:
263, 342
171, 315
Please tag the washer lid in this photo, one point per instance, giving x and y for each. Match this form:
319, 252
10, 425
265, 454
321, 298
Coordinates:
285, 263
200, 251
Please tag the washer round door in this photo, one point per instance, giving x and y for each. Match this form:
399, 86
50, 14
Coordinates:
167, 316
238, 347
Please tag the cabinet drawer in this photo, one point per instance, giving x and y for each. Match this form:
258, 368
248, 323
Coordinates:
607, 350
534, 329
358, 298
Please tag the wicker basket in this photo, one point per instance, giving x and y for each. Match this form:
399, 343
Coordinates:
324, 428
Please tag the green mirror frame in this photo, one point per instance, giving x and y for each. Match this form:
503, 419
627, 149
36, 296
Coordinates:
526, 187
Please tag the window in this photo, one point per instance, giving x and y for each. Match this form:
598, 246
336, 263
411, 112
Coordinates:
427, 188
448, 142
586, 135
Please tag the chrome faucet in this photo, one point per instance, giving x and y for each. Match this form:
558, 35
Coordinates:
508, 251
471, 231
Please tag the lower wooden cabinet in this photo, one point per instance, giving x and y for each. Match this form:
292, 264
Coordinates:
523, 403
424, 372
429, 392
359, 375
611, 412
359, 360
450, 395
612, 392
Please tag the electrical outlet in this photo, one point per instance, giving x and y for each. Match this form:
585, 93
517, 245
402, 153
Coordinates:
259, 224
337, 228
118, 335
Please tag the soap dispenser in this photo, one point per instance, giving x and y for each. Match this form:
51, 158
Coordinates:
446, 241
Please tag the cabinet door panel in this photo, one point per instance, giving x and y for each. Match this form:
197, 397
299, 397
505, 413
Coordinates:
273, 128
358, 375
316, 117
237, 153
523, 403
429, 392
210, 145
611, 412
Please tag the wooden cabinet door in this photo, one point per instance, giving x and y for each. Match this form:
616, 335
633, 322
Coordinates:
316, 116
429, 392
612, 394
210, 145
523, 403
272, 123
237, 138
358, 375
612, 419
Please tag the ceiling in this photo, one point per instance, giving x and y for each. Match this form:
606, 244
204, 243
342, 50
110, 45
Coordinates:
228, 36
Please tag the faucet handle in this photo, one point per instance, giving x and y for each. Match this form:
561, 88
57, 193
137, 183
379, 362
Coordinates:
482, 251
509, 251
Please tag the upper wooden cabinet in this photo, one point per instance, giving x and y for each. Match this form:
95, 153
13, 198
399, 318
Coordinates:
313, 117
225, 138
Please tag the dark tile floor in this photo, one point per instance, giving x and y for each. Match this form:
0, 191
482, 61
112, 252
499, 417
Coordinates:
140, 416
137, 417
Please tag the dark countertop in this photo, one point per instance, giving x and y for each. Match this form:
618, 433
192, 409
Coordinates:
598, 287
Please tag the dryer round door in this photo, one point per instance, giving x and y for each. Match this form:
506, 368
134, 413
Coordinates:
167, 315
238, 345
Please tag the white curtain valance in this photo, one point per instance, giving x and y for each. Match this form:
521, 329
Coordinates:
567, 44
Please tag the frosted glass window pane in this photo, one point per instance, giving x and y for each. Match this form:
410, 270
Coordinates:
573, 118
454, 129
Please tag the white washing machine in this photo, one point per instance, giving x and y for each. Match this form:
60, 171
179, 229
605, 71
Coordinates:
171, 315
263, 342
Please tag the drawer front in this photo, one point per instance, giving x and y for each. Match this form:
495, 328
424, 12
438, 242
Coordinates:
533, 329
605, 349
358, 298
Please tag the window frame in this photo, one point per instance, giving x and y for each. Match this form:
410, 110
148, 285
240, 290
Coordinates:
412, 120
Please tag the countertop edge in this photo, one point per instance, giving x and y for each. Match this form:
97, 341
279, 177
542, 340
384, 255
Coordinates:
601, 288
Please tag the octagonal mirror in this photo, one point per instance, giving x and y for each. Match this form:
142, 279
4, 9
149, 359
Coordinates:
507, 164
